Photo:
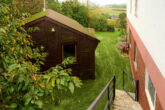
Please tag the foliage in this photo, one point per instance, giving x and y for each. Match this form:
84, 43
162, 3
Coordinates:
110, 28
98, 22
21, 85
71, 8
74, 9
121, 23
112, 22
55, 5
29, 6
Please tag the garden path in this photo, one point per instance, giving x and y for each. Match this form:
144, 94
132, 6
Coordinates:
124, 102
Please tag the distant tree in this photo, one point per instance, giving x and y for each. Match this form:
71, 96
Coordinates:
55, 5
121, 23
29, 6
74, 9
99, 23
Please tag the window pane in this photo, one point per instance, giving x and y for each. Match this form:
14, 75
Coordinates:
135, 52
151, 90
69, 50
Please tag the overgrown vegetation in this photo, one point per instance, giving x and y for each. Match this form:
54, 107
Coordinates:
22, 86
121, 23
29, 6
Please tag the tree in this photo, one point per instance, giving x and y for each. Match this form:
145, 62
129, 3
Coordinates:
55, 5
121, 23
74, 9
30, 6
98, 22
22, 85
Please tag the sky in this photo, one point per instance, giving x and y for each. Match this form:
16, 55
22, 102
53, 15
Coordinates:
106, 2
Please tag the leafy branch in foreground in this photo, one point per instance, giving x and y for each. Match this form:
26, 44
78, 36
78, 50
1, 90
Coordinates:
21, 85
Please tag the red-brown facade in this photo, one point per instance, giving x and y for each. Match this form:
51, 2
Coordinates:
139, 72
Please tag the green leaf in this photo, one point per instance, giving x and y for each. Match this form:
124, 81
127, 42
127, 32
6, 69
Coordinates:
62, 82
12, 67
57, 81
28, 99
71, 87
39, 103
13, 105
64, 73
53, 82
2, 31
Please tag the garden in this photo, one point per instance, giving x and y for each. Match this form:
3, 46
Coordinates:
23, 87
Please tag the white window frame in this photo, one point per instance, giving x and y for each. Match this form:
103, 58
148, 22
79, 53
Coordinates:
136, 7
135, 55
152, 106
130, 6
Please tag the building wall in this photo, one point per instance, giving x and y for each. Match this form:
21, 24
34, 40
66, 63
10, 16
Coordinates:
139, 74
147, 26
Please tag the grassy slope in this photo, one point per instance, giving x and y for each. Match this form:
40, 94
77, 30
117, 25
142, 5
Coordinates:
108, 63
106, 10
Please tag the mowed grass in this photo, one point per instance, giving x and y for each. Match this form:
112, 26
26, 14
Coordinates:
108, 63
106, 10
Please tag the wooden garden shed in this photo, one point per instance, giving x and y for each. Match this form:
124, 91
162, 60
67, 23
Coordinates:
62, 37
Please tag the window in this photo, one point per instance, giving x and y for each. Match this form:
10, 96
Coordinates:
69, 50
135, 56
136, 7
150, 91
130, 6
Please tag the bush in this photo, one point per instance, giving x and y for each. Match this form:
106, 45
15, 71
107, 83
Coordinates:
110, 28
99, 23
22, 86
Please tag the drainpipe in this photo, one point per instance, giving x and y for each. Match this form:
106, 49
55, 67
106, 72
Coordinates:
44, 8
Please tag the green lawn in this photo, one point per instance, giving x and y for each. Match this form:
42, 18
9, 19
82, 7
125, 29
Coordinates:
108, 63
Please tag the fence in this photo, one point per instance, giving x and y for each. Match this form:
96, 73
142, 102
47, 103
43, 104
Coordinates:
136, 86
110, 87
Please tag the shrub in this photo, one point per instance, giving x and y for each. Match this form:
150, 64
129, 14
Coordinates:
99, 23
110, 28
22, 86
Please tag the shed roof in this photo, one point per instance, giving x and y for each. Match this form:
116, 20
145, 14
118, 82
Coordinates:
61, 19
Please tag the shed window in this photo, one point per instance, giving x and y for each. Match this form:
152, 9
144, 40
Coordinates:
135, 56
69, 50
150, 91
